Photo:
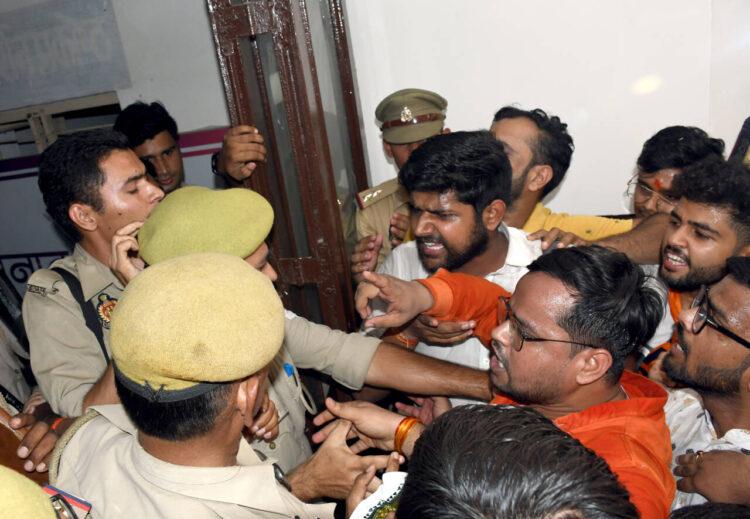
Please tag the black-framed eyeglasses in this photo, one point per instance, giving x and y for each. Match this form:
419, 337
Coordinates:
703, 316
516, 331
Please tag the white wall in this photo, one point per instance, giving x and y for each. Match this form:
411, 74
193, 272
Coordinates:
580, 59
171, 57
615, 71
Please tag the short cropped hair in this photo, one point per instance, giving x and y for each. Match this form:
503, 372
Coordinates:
175, 421
473, 165
69, 173
141, 122
554, 146
676, 147
509, 462
723, 184
614, 308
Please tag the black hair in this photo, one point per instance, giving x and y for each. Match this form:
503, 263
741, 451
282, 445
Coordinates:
676, 147
712, 511
175, 421
739, 268
473, 165
554, 145
141, 122
69, 173
509, 462
614, 309
716, 182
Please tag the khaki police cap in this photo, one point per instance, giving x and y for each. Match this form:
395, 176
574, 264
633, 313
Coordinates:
197, 219
189, 322
21, 497
411, 115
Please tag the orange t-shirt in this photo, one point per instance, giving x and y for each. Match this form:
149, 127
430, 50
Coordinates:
632, 437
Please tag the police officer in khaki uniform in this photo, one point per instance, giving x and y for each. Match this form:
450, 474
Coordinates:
192, 341
237, 221
408, 117
92, 184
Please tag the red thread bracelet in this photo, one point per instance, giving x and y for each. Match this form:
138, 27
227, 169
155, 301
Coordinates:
56, 423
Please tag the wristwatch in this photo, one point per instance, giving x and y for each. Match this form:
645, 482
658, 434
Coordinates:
215, 163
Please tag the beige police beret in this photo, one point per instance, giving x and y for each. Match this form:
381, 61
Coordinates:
411, 115
197, 219
21, 497
198, 318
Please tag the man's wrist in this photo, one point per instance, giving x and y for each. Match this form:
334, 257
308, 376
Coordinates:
302, 483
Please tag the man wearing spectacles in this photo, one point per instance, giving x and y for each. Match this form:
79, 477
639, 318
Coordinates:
709, 224
572, 321
661, 160
711, 359
651, 191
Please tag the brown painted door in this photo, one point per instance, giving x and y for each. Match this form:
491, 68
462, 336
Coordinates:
267, 53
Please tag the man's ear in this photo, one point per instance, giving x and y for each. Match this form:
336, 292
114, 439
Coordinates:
538, 177
247, 398
744, 251
493, 214
593, 364
83, 216
387, 149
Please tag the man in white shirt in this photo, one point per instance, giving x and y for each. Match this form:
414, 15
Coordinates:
459, 186
711, 359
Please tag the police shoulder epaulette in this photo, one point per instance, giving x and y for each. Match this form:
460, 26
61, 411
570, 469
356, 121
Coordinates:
370, 196
42, 282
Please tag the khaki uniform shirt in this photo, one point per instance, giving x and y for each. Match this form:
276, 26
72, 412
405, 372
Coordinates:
375, 208
65, 355
104, 464
345, 357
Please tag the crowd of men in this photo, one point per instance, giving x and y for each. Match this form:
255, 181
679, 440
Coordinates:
614, 351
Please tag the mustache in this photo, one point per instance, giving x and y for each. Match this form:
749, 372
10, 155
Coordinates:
436, 238
675, 250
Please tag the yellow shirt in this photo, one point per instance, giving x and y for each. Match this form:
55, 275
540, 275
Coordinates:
590, 228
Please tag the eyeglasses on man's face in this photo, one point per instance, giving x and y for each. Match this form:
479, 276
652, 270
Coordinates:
517, 335
641, 192
703, 316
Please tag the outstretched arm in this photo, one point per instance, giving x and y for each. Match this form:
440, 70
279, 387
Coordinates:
397, 368
643, 243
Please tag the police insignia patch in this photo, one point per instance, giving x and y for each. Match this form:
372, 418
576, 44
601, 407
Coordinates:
104, 309
406, 115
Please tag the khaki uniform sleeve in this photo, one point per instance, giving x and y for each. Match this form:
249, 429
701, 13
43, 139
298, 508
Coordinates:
344, 356
65, 355
376, 219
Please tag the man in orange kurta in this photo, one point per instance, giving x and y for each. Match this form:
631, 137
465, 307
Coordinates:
561, 348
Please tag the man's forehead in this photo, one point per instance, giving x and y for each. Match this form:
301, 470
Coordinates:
434, 199
660, 180
731, 299
706, 215
120, 165
511, 131
155, 145
539, 290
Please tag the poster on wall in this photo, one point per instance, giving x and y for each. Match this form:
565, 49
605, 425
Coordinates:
60, 49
